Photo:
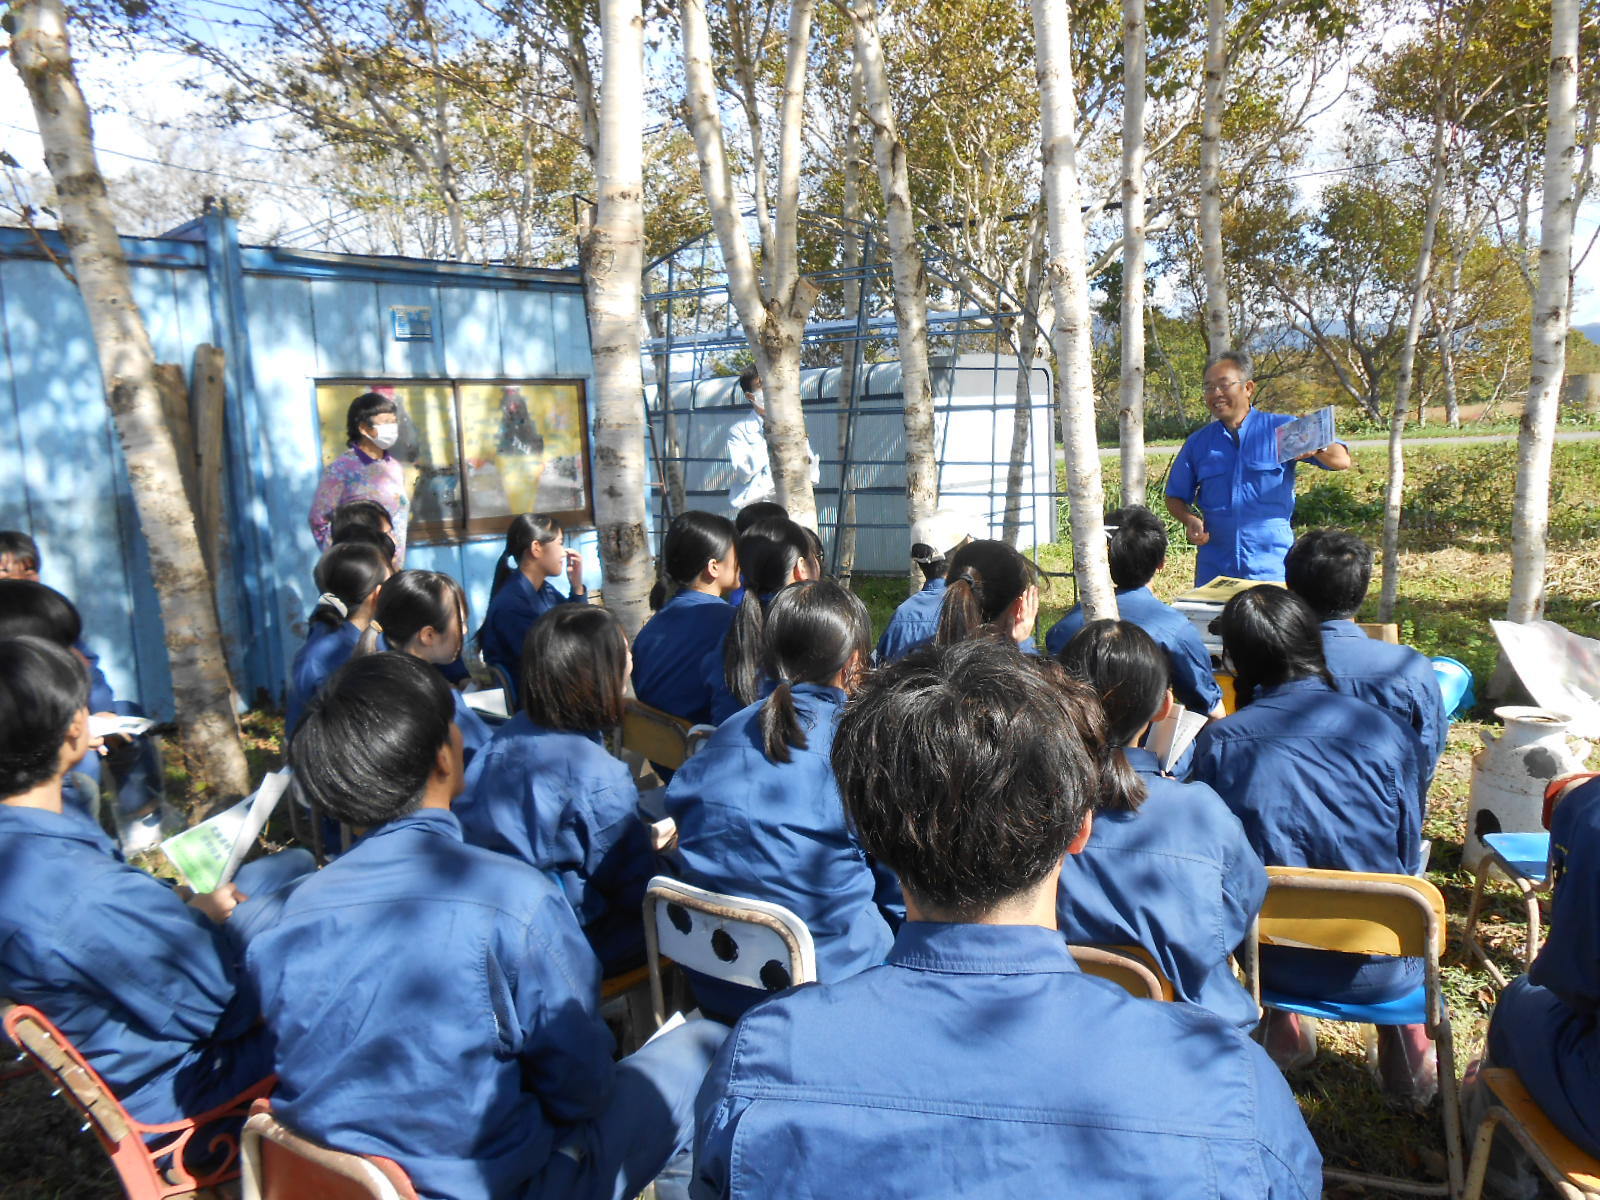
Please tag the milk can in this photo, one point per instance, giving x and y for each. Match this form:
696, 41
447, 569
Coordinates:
1510, 772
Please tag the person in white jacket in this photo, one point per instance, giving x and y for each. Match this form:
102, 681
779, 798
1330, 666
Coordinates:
747, 450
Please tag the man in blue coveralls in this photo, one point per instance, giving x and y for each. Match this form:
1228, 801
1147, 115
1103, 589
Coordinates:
1230, 471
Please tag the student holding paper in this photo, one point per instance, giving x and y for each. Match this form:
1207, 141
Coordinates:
1174, 873
1230, 469
143, 983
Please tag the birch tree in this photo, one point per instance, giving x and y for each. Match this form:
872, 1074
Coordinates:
1130, 409
613, 273
1214, 91
1074, 377
1551, 312
201, 688
772, 304
905, 260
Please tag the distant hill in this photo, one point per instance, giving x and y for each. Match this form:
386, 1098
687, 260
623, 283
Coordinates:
1591, 331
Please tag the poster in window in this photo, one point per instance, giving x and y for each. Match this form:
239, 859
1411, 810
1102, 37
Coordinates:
525, 450
427, 445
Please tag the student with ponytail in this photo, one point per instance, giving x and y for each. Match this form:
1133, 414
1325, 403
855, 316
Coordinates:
535, 552
757, 809
699, 567
773, 553
1174, 874
989, 588
350, 576
546, 791
424, 614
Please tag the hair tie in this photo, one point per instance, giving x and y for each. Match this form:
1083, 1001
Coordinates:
334, 603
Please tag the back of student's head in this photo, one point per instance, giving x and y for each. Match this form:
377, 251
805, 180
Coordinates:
984, 579
29, 609
347, 573
369, 739
1126, 668
412, 601
574, 669
1270, 636
360, 514
525, 530
365, 535
969, 769
19, 555
1330, 570
42, 688
761, 510
769, 553
812, 632
1137, 546
693, 540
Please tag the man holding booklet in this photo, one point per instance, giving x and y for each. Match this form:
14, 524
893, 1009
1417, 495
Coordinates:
1232, 484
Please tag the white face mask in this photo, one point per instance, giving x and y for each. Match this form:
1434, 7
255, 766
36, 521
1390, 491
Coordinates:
385, 435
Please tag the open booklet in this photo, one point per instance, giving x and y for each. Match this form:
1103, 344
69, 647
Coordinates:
111, 725
1169, 738
210, 854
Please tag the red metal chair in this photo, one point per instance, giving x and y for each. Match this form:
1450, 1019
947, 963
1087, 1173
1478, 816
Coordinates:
149, 1159
280, 1164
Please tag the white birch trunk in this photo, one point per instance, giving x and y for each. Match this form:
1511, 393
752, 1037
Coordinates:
613, 272
1551, 312
1130, 409
1219, 334
773, 319
1394, 494
1074, 380
905, 260
852, 259
200, 684
1025, 339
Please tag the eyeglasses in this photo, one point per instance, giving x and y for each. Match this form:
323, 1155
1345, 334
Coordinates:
1219, 388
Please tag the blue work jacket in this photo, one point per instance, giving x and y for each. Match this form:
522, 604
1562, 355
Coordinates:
1176, 877
101, 697
979, 1062
1245, 493
1569, 963
914, 623
771, 831
559, 802
143, 984
1395, 678
670, 652
325, 650
475, 731
436, 1003
512, 612
1193, 680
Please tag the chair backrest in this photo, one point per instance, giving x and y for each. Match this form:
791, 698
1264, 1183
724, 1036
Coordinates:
1355, 912
280, 1164
1381, 631
658, 736
53, 1054
1132, 967
752, 943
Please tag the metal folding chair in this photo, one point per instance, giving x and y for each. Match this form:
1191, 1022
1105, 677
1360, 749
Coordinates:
149, 1159
1571, 1171
1356, 912
280, 1164
1132, 967
751, 943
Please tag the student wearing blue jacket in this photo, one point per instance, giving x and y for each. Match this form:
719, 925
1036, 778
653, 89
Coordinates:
977, 1061
757, 809
1172, 873
350, 576
934, 539
1318, 779
424, 614
143, 983
773, 553
991, 590
436, 1002
535, 552
699, 567
546, 790
1137, 548
1330, 570
1546, 1026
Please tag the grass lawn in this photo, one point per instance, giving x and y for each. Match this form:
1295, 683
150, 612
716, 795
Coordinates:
1455, 573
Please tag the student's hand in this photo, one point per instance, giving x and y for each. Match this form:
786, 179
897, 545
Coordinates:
1194, 530
219, 905
575, 571
663, 835
111, 740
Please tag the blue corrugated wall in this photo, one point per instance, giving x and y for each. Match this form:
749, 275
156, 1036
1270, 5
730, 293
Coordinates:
285, 319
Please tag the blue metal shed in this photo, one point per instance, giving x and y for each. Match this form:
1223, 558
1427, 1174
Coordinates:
286, 319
